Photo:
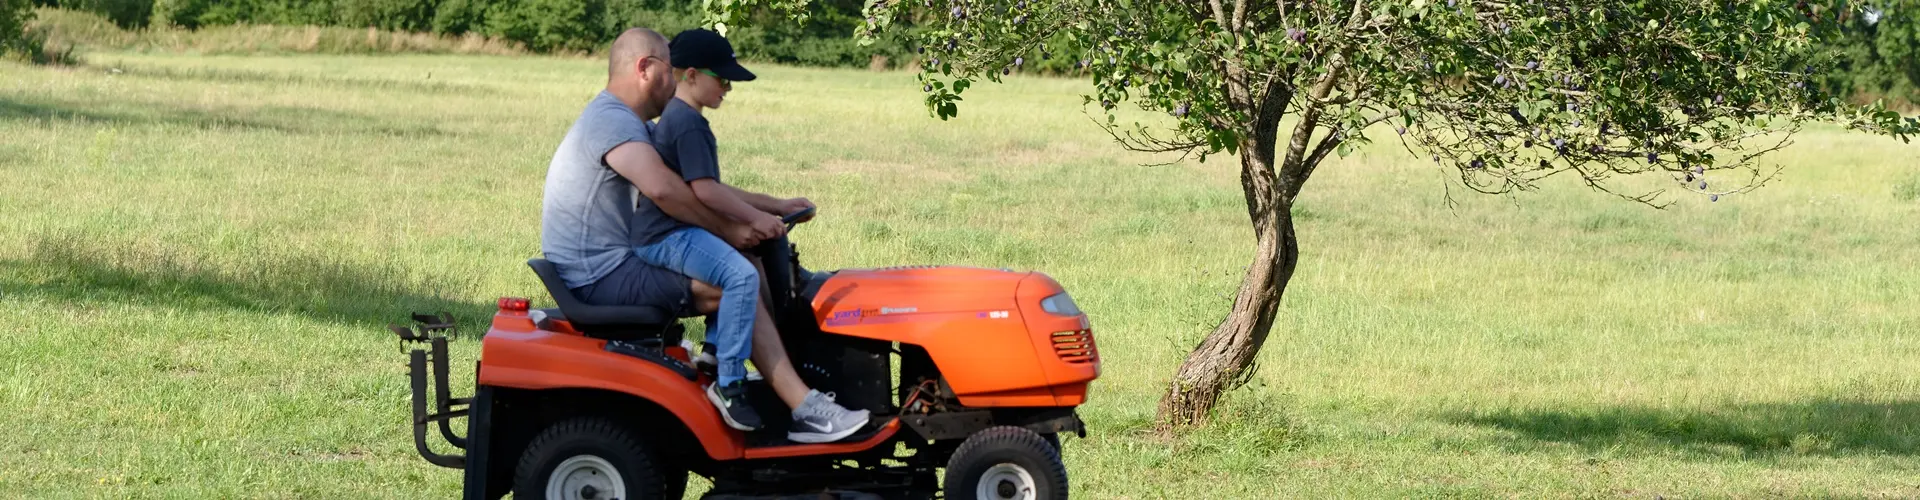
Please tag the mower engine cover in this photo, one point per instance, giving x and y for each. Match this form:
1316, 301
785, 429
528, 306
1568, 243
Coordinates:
988, 331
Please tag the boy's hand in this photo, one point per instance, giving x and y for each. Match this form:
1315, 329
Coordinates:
742, 236
792, 205
767, 227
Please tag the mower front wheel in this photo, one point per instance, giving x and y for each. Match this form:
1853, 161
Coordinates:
1006, 463
585, 459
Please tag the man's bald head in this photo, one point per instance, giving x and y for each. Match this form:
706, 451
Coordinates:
644, 85
633, 45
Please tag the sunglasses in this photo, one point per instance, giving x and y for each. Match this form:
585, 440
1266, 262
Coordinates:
723, 82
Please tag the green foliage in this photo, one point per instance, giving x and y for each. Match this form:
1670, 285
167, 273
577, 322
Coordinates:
395, 15
14, 15
20, 39
459, 16
548, 24
1505, 93
281, 12
1878, 56
665, 16
543, 25
125, 13
822, 39
180, 13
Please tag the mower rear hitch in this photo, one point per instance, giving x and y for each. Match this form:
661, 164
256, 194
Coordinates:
418, 362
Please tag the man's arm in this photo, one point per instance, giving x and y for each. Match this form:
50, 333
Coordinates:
642, 166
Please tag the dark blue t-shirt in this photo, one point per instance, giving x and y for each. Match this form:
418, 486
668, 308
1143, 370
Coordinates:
685, 142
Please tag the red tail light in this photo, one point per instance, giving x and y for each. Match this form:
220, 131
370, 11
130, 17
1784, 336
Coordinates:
513, 304
1075, 346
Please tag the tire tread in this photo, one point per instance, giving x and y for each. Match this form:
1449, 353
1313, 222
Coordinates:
527, 486
1019, 440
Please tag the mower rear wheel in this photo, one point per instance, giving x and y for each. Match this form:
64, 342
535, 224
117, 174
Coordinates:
1006, 463
587, 459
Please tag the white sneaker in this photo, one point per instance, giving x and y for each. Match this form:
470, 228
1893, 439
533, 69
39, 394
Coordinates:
820, 420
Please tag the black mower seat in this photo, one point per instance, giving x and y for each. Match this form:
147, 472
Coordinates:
603, 322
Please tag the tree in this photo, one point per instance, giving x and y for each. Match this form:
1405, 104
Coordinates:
1879, 56
14, 15
1504, 94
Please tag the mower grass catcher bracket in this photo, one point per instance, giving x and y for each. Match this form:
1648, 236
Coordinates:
434, 355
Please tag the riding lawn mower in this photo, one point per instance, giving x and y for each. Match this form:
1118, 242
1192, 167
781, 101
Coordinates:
973, 371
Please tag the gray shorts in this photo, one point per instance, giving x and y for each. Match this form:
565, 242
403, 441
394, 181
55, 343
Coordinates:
636, 283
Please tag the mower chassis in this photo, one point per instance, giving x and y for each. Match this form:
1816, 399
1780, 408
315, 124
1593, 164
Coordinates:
940, 429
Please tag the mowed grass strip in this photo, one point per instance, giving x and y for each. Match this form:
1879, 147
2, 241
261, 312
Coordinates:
198, 256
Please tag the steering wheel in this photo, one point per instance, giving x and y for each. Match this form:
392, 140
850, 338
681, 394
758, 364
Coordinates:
767, 248
794, 218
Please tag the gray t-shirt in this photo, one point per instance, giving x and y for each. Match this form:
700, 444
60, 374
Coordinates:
587, 206
685, 142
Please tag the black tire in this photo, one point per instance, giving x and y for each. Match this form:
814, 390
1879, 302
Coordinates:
998, 455
589, 439
675, 479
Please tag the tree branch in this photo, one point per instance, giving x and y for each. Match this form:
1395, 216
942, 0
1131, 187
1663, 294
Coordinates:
1327, 145
1146, 142
1295, 170
1239, 16
1291, 171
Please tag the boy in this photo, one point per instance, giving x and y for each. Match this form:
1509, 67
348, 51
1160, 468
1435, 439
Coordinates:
704, 64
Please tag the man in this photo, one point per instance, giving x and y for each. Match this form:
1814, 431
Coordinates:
588, 206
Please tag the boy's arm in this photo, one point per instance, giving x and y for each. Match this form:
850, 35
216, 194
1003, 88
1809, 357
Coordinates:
725, 199
699, 165
761, 202
779, 207
721, 199
642, 166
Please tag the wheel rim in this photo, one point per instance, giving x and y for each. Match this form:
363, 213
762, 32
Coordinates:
1006, 482
585, 477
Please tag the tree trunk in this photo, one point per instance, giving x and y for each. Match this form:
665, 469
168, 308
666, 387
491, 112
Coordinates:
1224, 356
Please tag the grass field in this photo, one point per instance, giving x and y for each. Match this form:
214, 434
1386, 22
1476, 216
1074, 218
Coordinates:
198, 255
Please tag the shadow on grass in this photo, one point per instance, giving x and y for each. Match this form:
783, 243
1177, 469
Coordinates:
1822, 427
320, 288
281, 119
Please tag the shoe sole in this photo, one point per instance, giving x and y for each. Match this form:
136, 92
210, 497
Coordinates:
817, 437
714, 398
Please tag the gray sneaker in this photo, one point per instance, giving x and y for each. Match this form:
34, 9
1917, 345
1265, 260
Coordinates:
820, 420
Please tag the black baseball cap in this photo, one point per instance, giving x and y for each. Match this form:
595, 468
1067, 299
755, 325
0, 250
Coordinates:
699, 48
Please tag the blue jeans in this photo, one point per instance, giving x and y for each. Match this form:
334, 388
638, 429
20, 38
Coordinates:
700, 255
